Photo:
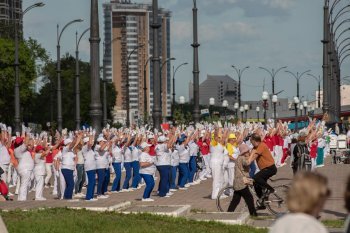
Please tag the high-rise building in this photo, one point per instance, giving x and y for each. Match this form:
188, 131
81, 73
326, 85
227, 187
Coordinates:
10, 10
127, 26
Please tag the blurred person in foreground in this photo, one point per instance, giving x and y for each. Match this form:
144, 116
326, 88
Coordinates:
347, 206
305, 200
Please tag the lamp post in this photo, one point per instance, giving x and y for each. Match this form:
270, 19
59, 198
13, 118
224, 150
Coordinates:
301, 108
274, 101
297, 76
225, 105
161, 78
182, 102
77, 79
128, 85
195, 45
318, 80
239, 73
246, 108
17, 118
211, 104
59, 89
241, 109
174, 73
145, 91
236, 107
273, 74
305, 107
296, 102
257, 112
265, 97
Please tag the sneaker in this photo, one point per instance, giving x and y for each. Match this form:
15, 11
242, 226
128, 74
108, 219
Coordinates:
46, 186
40, 199
147, 199
73, 200
173, 190
203, 178
182, 188
197, 181
124, 190
92, 199
169, 194
208, 176
11, 185
187, 185
131, 189
107, 193
102, 196
114, 192
10, 194
191, 184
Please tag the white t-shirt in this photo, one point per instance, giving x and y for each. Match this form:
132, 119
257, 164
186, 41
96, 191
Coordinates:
135, 153
175, 159
218, 153
25, 160
193, 148
127, 155
117, 154
321, 143
297, 223
4, 155
101, 157
184, 153
146, 158
39, 168
163, 155
80, 157
68, 161
89, 159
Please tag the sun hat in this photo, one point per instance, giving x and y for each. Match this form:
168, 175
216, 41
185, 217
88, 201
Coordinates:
162, 139
67, 141
232, 136
85, 140
101, 139
39, 148
243, 148
144, 145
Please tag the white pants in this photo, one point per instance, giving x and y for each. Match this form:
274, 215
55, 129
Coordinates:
313, 164
56, 182
48, 172
206, 170
278, 153
218, 177
39, 187
12, 175
229, 175
62, 185
5, 167
25, 183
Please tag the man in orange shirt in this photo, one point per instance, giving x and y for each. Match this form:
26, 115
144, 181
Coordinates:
266, 164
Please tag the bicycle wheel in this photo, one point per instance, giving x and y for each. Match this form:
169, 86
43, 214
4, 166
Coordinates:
224, 198
276, 202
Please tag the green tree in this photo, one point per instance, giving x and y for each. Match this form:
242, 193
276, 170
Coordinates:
46, 100
30, 51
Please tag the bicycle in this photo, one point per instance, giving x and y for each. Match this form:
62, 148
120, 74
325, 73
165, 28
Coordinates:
275, 202
199, 165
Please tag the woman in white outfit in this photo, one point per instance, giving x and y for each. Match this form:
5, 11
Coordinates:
39, 172
218, 153
89, 167
25, 166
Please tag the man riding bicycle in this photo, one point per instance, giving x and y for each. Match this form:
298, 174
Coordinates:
266, 165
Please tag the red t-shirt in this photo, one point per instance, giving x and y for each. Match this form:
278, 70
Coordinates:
313, 149
204, 146
49, 158
269, 143
152, 150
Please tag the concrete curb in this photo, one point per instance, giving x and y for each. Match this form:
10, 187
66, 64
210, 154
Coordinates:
242, 219
104, 209
181, 211
3, 228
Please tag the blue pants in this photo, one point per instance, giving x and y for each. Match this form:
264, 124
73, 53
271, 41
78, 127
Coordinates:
149, 180
68, 177
91, 184
136, 174
183, 174
164, 184
101, 175
106, 180
127, 166
192, 168
252, 169
118, 174
173, 171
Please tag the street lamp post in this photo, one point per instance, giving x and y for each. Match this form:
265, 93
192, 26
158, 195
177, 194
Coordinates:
128, 85
239, 73
301, 108
273, 74
161, 78
17, 118
265, 97
182, 102
59, 89
174, 73
257, 112
318, 79
211, 104
296, 102
195, 45
225, 105
241, 109
145, 90
77, 79
297, 76
236, 107
305, 105
246, 108
274, 101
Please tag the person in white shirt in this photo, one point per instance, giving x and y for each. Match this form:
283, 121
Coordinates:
184, 154
25, 166
89, 167
39, 172
194, 149
127, 161
136, 178
305, 200
174, 162
117, 161
5, 158
80, 172
102, 163
148, 168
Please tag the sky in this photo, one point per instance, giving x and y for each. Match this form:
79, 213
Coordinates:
267, 33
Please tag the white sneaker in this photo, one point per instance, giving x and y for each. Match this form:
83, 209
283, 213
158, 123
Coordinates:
10, 194
102, 196
92, 199
131, 189
40, 199
11, 186
203, 178
114, 192
147, 199
190, 184
187, 185
169, 194
197, 182
124, 190
209, 176
73, 200
182, 188
173, 190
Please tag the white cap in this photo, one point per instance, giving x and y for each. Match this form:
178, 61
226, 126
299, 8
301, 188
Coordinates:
67, 141
151, 136
144, 145
85, 140
162, 139
101, 139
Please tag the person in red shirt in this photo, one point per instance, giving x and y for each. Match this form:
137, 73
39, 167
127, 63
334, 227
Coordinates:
152, 140
204, 148
49, 162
